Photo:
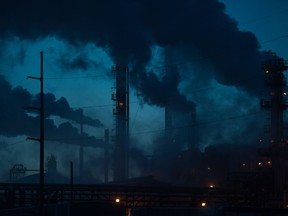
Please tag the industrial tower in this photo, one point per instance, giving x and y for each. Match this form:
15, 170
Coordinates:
178, 119
277, 150
120, 96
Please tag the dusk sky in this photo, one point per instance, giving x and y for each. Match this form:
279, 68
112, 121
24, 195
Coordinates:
214, 45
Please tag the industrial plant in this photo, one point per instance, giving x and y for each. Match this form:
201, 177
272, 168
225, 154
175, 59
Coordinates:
139, 108
180, 180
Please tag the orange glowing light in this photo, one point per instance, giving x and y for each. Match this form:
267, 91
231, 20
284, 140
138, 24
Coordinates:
259, 163
203, 204
121, 104
117, 200
211, 186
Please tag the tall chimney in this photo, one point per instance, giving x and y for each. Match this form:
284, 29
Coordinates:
120, 96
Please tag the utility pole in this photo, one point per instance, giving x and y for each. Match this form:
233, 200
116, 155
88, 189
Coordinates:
41, 138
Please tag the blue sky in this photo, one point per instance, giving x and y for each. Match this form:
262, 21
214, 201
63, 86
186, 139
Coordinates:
267, 19
88, 86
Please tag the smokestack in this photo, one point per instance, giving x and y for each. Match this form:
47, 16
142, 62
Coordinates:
178, 123
120, 96
168, 111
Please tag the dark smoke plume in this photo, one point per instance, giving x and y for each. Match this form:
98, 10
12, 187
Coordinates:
16, 121
62, 109
81, 62
128, 30
161, 92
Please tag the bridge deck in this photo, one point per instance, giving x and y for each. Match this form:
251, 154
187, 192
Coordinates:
20, 195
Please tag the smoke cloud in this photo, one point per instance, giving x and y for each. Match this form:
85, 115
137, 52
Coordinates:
128, 30
197, 32
62, 109
16, 121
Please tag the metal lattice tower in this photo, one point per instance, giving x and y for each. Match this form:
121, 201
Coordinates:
120, 96
276, 104
277, 150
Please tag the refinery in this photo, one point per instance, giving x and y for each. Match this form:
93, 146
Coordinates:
137, 108
191, 180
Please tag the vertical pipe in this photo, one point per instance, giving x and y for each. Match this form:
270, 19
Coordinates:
41, 136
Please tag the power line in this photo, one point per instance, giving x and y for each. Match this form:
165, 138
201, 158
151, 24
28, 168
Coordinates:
157, 131
266, 17
134, 119
274, 39
18, 82
141, 101
16, 143
197, 124
78, 77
